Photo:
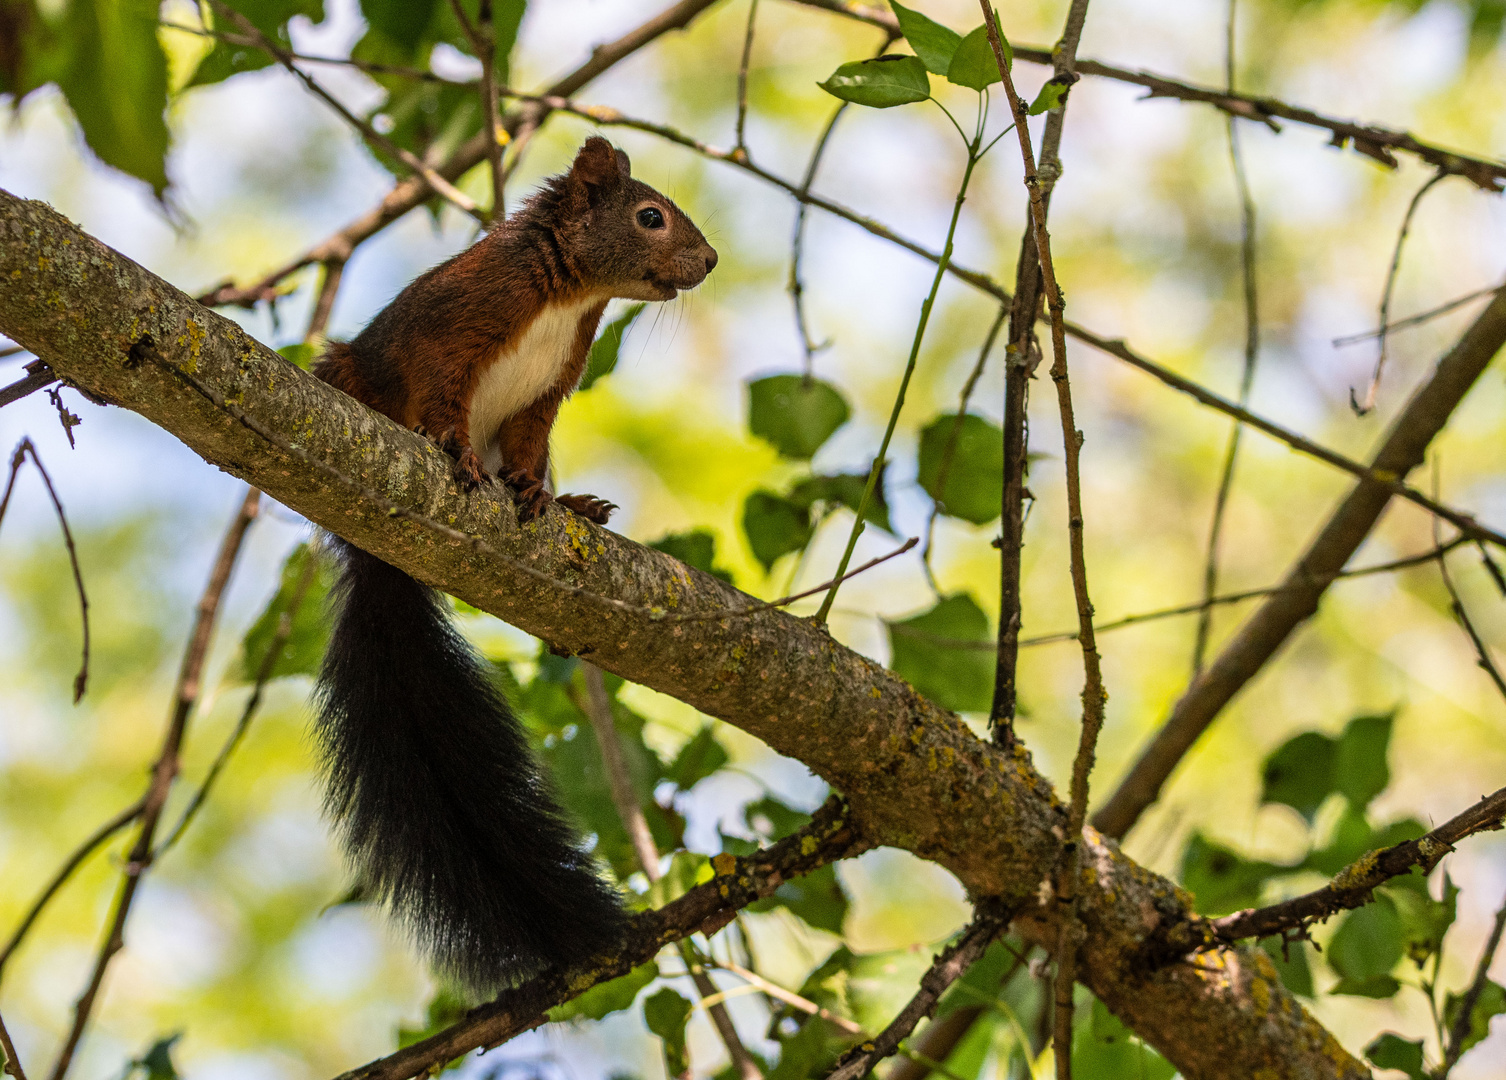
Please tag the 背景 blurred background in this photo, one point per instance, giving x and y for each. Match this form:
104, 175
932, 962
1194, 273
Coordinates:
235, 943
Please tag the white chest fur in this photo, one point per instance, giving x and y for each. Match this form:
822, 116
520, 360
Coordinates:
522, 372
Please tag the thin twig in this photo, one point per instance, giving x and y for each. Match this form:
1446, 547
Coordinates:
598, 706
1352, 886
30, 383
1417, 320
23, 449
329, 288
1456, 604
482, 37
1376, 143
1093, 693
1252, 352
59, 879
366, 66
943, 470
988, 922
12, 1059
796, 287
440, 185
253, 703
740, 145
185, 696
1362, 407
1462, 1023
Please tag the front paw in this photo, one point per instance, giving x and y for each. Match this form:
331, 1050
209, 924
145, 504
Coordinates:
468, 471
532, 497
588, 506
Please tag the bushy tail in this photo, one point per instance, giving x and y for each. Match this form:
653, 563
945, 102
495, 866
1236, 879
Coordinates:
439, 801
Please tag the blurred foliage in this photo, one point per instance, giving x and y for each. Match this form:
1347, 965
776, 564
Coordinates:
736, 456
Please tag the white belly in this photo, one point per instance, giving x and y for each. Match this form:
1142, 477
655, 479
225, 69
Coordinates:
521, 374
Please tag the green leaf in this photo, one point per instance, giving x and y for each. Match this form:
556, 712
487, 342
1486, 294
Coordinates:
924, 650
608, 997
974, 482
795, 414
1300, 773
1220, 878
695, 548
1390, 1051
697, 759
1359, 768
774, 526
974, 64
303, 650
114, 75
1052, 94
271, 17
1490, 1003
845, 489
300, 355
1291, 964
880, 83
1365, 949
932, 42
157, 1062
817, 897
604, 350
687, 869
1424, 921
666, 1014
1105, 1049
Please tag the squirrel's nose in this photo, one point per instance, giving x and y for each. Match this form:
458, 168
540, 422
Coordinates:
710, 258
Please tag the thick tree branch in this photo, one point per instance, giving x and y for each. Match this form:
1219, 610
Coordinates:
915, 776
1257, 641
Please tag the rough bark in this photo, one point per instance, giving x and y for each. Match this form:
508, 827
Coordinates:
915, 776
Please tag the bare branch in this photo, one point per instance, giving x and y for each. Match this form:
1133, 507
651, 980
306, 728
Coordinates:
1460, 1030
12, 1059
185, 696
1346, 529
33, 381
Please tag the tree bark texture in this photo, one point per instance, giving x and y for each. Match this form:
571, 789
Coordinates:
915, 776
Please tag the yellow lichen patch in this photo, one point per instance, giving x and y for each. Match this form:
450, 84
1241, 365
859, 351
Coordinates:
578, 536
1260, 995
808, 845
724, 864
873, 692
1354, 875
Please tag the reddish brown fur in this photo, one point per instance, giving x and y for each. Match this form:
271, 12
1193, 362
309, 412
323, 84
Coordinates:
421, 359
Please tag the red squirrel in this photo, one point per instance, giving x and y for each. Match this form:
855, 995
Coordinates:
439, 802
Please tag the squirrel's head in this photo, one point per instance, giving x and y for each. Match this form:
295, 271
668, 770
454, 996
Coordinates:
635, 241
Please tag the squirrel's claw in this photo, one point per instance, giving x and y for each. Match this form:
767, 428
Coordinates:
588, 506
468, 470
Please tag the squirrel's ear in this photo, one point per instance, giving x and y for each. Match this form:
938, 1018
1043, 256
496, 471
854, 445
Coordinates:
599, 165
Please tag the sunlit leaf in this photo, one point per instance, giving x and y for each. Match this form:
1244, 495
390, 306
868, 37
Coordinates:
1490, 1003
608, 997
1052, 94
303, 650
775, 526
271, 17
880, 83
665, 1013
1390, 1051
930, 652
687, 869
1359, 766
300, 355
974, 64
795, 414
1299, 773
932, 42
975, 472
604, 350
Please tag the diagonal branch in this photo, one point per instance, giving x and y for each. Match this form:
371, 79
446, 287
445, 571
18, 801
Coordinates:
1243, 657
914, 776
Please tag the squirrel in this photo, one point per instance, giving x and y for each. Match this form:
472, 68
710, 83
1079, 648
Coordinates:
439, 803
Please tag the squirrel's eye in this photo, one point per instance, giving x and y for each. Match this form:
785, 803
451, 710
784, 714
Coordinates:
650, 218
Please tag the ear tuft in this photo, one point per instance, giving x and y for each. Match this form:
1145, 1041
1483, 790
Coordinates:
598, 164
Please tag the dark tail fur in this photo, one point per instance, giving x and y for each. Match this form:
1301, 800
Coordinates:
440, 803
